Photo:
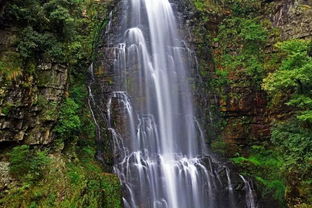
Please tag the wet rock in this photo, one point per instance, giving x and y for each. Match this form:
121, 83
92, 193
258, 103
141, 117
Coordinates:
29, 105
6, 180
293, 17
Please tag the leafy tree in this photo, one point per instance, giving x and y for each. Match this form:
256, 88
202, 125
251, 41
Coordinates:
294, 76
291, 85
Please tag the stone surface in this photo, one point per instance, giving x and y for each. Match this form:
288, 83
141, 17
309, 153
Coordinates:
29, 104
5, 178
293, 17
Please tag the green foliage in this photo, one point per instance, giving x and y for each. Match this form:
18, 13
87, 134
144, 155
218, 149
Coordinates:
62, 31
18, 160
219, 146
33, 44
242, 47
241, 8
200, 5
220, 80
6, 108
294, 74
265, 165
27, 163
69, 122
74, 175
68, 184
275, 186
48, 27
289, 86
294, 77
295, 142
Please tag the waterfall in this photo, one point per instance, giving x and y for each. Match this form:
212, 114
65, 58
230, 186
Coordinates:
160, 154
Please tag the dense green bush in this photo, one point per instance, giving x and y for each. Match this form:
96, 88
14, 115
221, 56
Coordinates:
242, 48
80, 183
294, 141
62, 31
290, 85
27, 164
69, 122
266, 166
294, 77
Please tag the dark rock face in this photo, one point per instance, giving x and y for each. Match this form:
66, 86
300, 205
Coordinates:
29, 104
101, 82
293, 17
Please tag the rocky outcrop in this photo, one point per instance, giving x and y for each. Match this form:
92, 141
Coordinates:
293, 17
101, 82
29, 102
5, 179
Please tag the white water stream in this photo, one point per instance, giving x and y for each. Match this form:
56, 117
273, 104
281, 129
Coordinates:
158, 143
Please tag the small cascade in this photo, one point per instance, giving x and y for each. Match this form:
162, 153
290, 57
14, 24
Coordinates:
250, 200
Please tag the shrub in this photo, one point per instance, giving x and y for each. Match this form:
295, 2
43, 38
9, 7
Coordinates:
241, 50
294, 76
69, 122
25, 163
294, 141
266, 166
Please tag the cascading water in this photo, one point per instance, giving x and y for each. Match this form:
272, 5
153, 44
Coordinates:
158, 143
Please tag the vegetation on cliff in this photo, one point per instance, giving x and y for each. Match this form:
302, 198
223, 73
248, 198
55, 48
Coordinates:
264, 90
263, 83
61, 172
60, 179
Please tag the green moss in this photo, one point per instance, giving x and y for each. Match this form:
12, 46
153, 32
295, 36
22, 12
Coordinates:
243, 8
50, 112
